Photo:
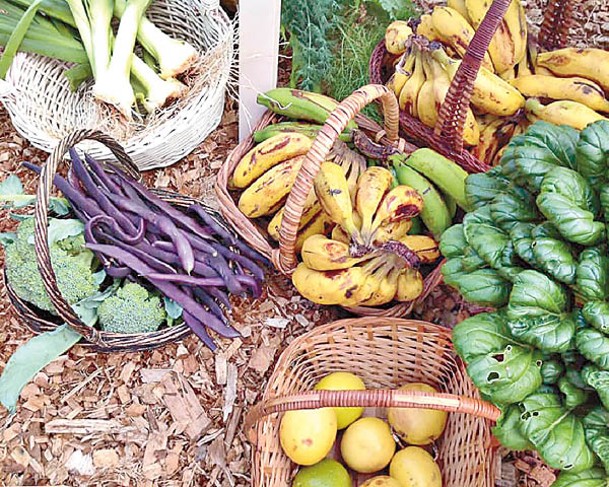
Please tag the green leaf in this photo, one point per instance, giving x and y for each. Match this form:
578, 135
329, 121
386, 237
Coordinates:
596, 314
556, 433
592, 152
593, 345
173, 310
507, 430
599, 380
592, 274
453, 242
574, 396
481, 334
513, 207
7, 238
507, 377
549, 333
488, 242
483, 286
596, 426
594, 477
482, 188
555, 257
11, 186
572, 186
534, 294
60, 229
521, 235
551, 371
30, 358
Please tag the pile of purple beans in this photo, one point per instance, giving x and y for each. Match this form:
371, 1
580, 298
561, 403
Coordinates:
188, 256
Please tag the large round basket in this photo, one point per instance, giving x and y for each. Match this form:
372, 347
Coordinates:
284, 255
447, 136
386, 353
43, 109
38, 321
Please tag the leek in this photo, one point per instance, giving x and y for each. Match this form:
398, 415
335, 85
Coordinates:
56, 9
173, 56
157, 90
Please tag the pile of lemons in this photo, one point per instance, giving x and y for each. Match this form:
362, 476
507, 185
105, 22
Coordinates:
366, 445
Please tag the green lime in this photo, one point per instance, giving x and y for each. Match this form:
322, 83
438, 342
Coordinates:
327, 473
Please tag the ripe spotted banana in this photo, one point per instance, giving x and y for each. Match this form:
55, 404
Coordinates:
392, 231
323, 254
426, 110
491, 93
310, 209
345, 287
455, 31
268, 154
459, 6
426, 29
332, 192
425, 247
304, 128
576, 89
589, 63
435, 214
410, 285
382, 281
266, 192
410, 91
372, 187
320, 224
401, 203
493, 137
563, 112
396, 36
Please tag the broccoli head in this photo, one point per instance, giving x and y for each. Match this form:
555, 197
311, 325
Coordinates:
133, 309
71, 262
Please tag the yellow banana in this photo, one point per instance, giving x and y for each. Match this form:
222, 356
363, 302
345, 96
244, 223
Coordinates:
323, 254
410, 285
426, 105
266, 192
441, 85
397, 81
508, 45
508, 75
563, 112
396, 35
589, 63
410, 91
577, 89
391, 231
310, 210
493, 137
425, 247
384, 285
268, 154
332, 191
426, 29
491, 94
455, 31
340, 235
345, 287
459, 6
401, 203
320, 224
372, 187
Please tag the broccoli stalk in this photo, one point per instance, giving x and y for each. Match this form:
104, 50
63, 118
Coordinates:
133, 309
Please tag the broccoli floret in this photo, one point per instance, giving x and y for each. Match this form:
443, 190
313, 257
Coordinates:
72, 269
131, 310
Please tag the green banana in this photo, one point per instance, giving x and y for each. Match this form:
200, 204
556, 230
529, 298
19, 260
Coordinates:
300, 105
448, 176
435, 214
451, 204
308, 129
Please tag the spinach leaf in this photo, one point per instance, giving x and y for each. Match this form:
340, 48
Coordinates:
551, 371
516, 205
560, 141
592, 152
596, 426
521, 235
556, 433
483, 286
593, 345
555, 257
596, 314
481, 334
482, 188
603, 195
507, 430
595, 477
534, 294
592, 274
453, 242
599, 380
508, 376
488, 242
574, 396
571, 185
549, 333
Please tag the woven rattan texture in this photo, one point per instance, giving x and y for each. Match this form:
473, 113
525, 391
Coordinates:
386, 353
44, 110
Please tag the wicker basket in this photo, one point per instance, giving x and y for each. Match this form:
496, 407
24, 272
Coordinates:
44, 110
38, 322
447, 136
386, 353
284, 257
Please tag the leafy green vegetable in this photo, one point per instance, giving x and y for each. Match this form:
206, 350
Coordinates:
593, 345
487, 241
550, 333
556, 433
571, 185
555, 257
515, 206
483, 286
595, 477
596, 424
534, 294
507, 376
599, 380
481, 334
574, 396
596, 314
453, 242
507, 430
482, 188
551, 371
521, 235
592, 152
592, 274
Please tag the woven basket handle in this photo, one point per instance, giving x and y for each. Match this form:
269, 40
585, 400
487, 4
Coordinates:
383, 398
451, 118
42, 220
285, 258
558, 19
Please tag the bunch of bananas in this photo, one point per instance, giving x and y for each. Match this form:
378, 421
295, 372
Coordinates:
515, 86
370, 259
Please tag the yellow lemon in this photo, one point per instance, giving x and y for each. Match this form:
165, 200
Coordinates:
307, 435
414, 467
417, 426
381, 481
367, 445
343, 381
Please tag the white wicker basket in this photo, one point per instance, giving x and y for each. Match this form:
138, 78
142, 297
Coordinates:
43, 109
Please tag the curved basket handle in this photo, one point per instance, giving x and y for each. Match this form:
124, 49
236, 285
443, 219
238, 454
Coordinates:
371, 398
285, 258
42, 220
558, 19
451, 118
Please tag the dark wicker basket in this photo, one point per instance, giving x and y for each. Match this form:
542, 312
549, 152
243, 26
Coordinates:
38, 321
447, 136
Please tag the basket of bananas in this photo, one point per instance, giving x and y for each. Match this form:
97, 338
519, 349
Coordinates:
360, 237
469, 74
